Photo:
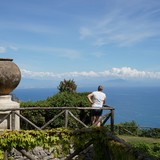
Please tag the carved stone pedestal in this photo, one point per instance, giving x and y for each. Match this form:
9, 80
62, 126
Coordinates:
10, 122
10, 77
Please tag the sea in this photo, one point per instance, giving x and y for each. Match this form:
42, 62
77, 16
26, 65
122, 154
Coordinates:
138, 104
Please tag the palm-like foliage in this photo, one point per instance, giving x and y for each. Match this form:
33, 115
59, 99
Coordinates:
67, 86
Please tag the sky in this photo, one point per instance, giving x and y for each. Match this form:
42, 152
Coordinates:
110, 42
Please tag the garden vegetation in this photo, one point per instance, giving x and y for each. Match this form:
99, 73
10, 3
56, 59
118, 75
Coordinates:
68, 97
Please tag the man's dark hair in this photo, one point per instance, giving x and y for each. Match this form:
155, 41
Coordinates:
100, 88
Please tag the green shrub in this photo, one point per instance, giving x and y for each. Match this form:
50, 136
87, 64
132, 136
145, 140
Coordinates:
120, 152
67, 86
151, 132
150, 150
63, 99
60, 139
128, 128
103, 146
1, 154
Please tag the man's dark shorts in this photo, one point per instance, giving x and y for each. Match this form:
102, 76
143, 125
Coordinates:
96, 112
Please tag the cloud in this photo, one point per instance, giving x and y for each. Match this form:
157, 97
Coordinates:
124, 24
37, 28
127, 72
29, 27
14, 48
85, 32
2, 49
59, 52
124, 73
68, 53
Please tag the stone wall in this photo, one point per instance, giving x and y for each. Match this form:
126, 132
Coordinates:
39, 153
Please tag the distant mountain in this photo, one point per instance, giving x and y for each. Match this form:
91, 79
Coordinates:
117, 82
87, 82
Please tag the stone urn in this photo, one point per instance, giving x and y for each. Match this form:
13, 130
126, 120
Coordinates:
10, 76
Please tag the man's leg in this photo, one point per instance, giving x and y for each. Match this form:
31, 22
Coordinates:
93, 119
97, 119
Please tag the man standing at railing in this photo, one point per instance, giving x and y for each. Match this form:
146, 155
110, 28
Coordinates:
97, 99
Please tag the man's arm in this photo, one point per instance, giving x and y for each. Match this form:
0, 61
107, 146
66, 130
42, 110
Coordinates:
104, 101
90, 98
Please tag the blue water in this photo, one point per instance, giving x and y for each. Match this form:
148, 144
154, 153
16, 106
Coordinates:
141, 104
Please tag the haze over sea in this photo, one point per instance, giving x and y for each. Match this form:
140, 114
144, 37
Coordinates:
141, 104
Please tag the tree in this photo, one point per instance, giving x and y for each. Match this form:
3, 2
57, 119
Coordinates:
67, 86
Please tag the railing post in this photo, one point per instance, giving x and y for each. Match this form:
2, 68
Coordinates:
13, 120
66, 118
112, 120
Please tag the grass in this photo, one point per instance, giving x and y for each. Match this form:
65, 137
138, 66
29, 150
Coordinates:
136, 139
148, 146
